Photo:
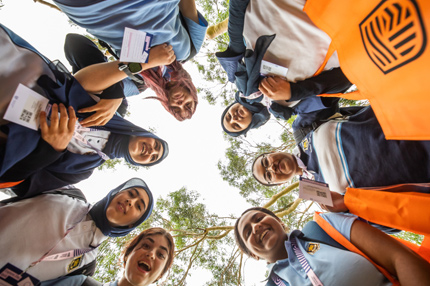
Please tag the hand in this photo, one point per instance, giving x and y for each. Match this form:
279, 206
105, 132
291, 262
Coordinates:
161, 55
104, 111
59, 134
338, 204
276, 88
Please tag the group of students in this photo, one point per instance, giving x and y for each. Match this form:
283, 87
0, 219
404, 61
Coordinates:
344, 147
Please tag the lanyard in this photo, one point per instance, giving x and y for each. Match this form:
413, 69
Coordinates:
79, 137
305, 265
66, 254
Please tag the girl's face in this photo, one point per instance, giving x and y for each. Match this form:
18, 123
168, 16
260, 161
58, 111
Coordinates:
263, 235
237, 118
127, 207
275, 168
181, 102
146, 262
145, 150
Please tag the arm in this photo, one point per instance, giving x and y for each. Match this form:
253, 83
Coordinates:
98, 77
400, 261
332, 81
189, 10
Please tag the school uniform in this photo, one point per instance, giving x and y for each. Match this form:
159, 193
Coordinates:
332, 265
353, 152
106, 20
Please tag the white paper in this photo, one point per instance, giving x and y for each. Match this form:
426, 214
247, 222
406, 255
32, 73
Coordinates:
315, 191
268, 68
135, 46
25, 106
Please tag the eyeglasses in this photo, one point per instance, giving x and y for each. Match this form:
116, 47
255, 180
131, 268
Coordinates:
266, 162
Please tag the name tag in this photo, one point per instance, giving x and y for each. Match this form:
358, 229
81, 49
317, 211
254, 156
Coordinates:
268, 68
25, 106
135, 46
11, 275
315, 191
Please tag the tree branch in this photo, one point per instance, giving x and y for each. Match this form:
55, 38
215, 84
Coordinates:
280, 194
47, 4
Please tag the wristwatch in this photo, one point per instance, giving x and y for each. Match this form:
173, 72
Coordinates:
130, 69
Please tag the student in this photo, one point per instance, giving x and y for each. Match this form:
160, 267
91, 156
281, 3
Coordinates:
146, 258
292, 257
295, 33
35, 229
56, 157
110, 82
350, 152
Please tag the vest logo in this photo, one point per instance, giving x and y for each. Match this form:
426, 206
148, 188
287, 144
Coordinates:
393, 34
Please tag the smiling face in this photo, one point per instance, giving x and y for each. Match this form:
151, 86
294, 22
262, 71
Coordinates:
146, 262
275, 168
145, 150
181, 101
263, 235
237, 118
127, 207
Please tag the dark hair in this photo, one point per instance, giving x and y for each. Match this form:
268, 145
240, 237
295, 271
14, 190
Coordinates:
238, 238
131, 245
252, 171
161, 86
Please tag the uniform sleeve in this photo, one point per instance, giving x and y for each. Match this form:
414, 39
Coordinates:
331, 81
342, 222
197, 31
42, 156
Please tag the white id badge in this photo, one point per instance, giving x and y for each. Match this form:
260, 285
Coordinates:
25, 106
268, 68
135, 46
11, 275
315, 191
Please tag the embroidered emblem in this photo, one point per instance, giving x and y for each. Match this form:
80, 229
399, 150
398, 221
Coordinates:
393, 34
312, 247
305, 144
75, 263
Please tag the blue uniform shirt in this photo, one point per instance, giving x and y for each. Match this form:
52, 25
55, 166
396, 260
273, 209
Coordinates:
106, 20
332, 265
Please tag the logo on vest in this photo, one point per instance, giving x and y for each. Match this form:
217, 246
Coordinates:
393, 34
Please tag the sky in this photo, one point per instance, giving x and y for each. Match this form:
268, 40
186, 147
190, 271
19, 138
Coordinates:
195, 145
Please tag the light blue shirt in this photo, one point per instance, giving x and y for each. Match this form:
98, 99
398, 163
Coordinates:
332, 265
106, 20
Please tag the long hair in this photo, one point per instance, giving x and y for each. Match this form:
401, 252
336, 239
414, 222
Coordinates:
131, 245
161, 86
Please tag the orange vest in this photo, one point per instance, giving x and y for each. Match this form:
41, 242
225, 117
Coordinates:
395, 206
9, 184
383, 49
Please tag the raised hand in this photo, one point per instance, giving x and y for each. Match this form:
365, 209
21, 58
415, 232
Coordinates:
161, 55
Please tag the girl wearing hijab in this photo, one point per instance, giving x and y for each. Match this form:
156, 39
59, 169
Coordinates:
162, 73
146, 258
39, 233
299, 258
59, 156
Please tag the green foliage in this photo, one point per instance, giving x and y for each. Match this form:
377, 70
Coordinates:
111, 164
411, 237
